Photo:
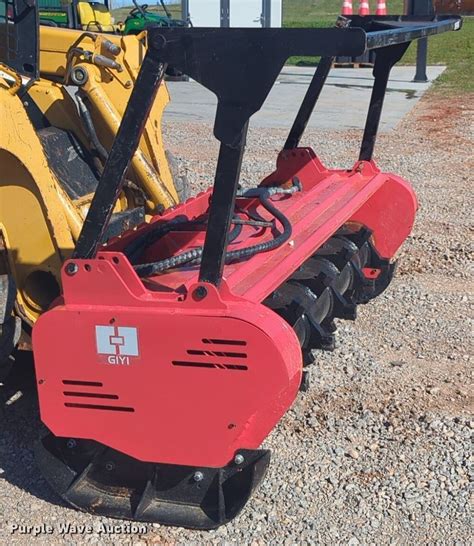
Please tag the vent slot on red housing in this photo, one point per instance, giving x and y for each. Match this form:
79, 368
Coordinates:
216, 366
94, 397
220, 353
80, 383
98, 407
225, 342
216, 353
91, 395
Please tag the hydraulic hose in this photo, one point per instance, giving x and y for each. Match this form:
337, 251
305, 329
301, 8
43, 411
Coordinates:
194, 256
91, 132
248, 252
190, 256
141, 243
270, 190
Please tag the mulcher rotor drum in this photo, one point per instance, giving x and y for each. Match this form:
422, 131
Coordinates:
181, 344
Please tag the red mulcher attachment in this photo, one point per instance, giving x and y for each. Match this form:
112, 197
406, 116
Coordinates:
180, 345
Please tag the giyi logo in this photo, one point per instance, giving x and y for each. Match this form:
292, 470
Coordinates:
119, 343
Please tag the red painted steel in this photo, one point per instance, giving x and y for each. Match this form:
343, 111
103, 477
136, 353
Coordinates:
361, 195
210, 377
190, 382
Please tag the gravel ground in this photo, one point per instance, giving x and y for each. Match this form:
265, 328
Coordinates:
379, 450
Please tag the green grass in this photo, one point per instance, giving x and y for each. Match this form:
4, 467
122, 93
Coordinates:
454, 49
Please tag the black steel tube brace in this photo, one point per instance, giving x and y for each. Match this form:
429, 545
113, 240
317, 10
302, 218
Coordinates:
221, 211
120, 156
309, 103
385, 58
240, 66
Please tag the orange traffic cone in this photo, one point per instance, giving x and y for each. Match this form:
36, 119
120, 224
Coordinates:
364, 7
381, 8
346, 7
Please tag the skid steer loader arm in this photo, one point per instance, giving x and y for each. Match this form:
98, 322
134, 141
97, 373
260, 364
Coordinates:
63, 96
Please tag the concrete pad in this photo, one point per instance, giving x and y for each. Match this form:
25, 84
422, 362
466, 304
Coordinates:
343, 103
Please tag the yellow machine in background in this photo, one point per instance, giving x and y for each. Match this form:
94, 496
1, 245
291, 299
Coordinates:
79, 14
55, 138
104, 69
95, 16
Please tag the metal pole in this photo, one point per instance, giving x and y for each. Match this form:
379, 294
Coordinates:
420, 8
225, 13
266, 13
185, 10
421, 60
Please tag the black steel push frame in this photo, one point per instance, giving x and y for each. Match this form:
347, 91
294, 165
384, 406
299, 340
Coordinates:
19, 33
241, 66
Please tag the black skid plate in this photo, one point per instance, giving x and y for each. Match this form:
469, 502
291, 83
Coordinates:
102, 481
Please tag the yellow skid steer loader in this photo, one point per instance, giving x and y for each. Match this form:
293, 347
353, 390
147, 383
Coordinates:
62, 97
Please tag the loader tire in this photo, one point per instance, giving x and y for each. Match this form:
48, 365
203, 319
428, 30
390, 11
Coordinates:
10, 326
180, 178
7, 297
